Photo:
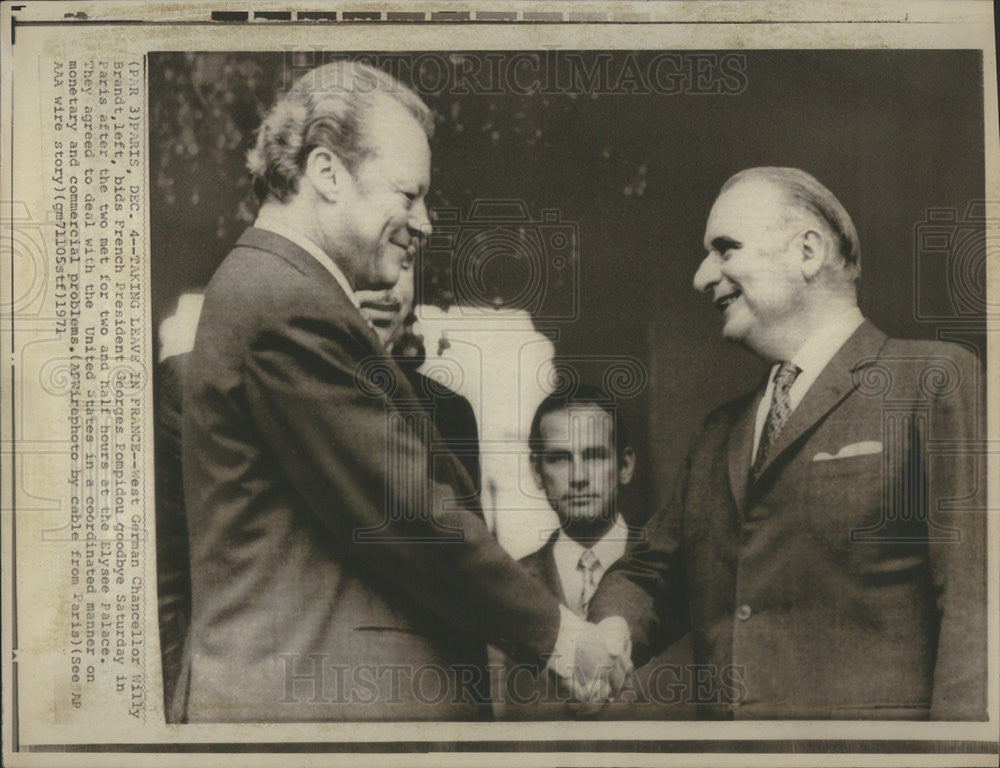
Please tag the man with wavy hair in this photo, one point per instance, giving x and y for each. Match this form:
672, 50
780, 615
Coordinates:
339, 569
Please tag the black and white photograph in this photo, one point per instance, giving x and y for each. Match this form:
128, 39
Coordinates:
554, 383
607, 360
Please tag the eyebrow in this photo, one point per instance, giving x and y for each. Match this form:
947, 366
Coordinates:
723, 244
555, 453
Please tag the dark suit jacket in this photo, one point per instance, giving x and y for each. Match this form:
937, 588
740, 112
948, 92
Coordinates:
454, 418
338, 571
525, 691
847, 588
451, 413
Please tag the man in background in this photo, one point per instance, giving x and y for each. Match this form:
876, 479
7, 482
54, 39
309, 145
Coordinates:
581, 459
390, 313
828, 563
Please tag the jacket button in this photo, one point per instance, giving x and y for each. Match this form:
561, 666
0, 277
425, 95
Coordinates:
743, 612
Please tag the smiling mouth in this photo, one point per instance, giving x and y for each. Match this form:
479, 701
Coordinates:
723, 302
383, 313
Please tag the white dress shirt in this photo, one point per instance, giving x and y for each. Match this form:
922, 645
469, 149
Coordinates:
811, 359
313, 250
566, 553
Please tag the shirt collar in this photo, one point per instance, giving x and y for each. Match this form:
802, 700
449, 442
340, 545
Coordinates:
307, 245
610, 548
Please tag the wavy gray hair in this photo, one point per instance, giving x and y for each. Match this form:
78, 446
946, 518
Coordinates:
326, 107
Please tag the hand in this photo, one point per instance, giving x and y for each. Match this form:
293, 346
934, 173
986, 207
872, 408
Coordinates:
601, 664
618, 641
592, 660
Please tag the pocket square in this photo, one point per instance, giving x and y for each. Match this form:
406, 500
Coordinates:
863, 448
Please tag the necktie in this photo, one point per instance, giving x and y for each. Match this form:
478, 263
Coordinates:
781, 409
587, 565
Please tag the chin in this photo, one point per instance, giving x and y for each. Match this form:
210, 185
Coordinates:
587, 519
734, 330
729, 333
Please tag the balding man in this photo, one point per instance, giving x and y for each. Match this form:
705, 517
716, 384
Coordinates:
824, 544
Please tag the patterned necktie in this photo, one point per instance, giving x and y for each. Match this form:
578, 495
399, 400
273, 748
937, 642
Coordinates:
587, 565
781, 409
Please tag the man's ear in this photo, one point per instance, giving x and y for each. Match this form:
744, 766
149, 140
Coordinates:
626, 466
325, 173
813, 247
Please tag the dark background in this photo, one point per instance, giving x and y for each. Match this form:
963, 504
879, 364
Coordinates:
891, 133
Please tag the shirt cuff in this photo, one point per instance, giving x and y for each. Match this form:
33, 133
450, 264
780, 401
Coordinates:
564, 654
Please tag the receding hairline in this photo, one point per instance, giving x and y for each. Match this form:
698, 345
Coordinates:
380, 85
802, 193
371, 124
782, 192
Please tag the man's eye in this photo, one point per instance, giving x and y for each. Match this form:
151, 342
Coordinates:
725, 247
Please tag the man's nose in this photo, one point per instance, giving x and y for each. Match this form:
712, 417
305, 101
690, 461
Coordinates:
419, 221
708, 273
578, 475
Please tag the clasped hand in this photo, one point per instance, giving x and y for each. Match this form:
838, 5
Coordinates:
601, 663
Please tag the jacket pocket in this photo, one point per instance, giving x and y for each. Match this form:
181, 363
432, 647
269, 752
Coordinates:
844, 500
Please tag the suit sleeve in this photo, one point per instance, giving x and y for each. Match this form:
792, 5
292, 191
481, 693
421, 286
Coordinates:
361, 462
957, 480
648, 587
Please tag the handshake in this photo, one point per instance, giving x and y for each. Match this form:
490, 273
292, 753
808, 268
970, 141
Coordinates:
592, 660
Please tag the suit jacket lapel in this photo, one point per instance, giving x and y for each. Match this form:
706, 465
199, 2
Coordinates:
543, 567
835, 383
